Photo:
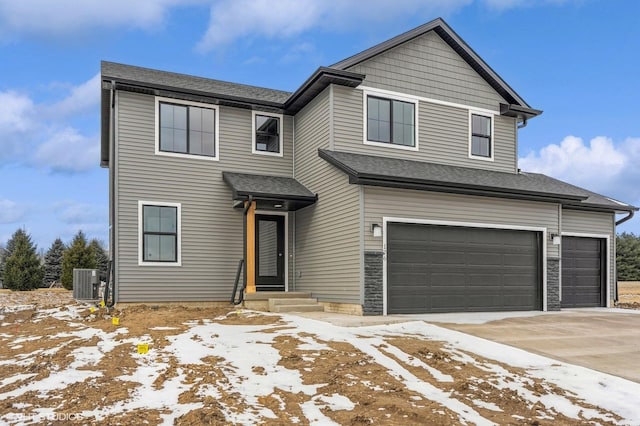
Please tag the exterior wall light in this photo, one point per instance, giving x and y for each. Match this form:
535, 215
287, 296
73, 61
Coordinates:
556, 239
376, 229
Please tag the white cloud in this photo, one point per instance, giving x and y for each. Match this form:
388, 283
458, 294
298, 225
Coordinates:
233, 19
17, 113
68, 151
601, 166
82, 98
10, 211
61, 18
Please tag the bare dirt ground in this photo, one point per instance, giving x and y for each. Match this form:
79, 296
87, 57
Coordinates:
37, 343
629, 294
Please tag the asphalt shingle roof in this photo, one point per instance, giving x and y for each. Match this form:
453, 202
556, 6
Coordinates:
244, 184
156, 78
414, 174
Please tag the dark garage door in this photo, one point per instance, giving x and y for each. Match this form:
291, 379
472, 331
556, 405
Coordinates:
455, 269
583, 278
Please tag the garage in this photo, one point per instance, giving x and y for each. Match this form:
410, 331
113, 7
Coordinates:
434, 268
583, 272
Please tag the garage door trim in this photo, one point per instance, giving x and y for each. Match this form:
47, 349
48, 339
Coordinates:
386, 220
605, 237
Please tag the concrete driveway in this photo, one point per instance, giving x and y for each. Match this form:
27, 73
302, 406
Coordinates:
607, 340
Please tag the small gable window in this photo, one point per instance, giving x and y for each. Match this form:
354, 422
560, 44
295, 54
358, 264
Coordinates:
186, 129
267, 133
390, 121
481, 139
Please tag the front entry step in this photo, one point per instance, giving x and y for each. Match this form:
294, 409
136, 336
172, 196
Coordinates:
291, 304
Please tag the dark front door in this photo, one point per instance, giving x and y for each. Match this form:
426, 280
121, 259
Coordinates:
270, 253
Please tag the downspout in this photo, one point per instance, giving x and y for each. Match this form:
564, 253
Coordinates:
620, 222
112, 193
523, 124
626, 218
247, 206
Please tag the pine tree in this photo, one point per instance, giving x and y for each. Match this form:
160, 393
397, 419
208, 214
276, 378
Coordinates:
2, 260
53, 262
628, 257
78, 255
102, 259
22, 269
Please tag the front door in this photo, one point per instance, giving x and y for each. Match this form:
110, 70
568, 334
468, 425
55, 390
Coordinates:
270, 253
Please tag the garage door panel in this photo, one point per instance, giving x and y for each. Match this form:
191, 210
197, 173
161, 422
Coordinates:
462, 269
583, 272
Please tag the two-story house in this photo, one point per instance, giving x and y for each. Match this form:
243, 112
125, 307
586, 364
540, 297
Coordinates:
387, 183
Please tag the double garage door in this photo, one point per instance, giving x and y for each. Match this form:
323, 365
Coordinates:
432, 268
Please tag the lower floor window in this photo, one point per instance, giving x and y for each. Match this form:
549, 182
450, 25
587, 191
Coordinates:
160, 232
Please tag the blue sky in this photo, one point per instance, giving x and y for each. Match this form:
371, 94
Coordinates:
576, 60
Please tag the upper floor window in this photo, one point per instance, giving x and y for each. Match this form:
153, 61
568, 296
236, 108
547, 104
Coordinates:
481, 143
267, 133
390, 121
159, 233
186, 128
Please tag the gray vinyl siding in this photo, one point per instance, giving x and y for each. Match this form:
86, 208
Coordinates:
443, 134
212, 235
585, 222
427, 66
327, 233
423, 205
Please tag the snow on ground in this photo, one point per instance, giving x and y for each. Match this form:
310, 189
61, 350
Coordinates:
251, 368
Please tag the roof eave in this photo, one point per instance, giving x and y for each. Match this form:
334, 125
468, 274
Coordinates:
319, 81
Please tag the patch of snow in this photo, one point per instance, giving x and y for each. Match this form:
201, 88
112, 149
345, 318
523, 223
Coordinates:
335, 402
415, 362
163, 328
16, 378
488, 405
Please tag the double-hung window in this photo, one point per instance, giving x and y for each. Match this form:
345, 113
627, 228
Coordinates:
391, 121
481, 144
267, 133
159, 233
187, 128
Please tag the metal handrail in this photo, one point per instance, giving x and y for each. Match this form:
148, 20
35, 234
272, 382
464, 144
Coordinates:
235, 286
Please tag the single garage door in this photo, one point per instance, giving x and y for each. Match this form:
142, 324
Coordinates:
433, 268
583, 272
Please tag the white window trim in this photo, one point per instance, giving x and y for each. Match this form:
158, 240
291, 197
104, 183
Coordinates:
216, 143
253, 133
492, 140
389, 93
386, 220
141, 261
394, 97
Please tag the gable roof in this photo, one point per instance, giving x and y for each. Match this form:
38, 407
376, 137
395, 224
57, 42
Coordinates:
410, 174
457, 44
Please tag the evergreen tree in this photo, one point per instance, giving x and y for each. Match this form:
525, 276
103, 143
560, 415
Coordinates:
2, 260
102, 258
22, 269
628, 257
53, 262
79, 255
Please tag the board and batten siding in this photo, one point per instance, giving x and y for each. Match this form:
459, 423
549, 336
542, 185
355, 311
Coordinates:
597, 223
212, 236
427, 66
424, 205
327, 234
443, 134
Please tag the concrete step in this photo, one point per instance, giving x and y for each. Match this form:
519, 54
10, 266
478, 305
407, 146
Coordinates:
266, 295
293, 301
297, 308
